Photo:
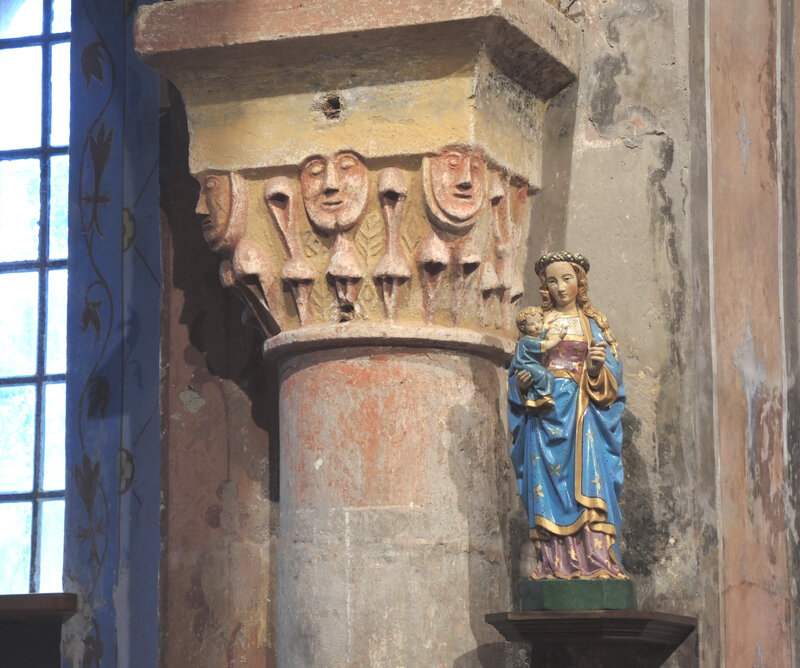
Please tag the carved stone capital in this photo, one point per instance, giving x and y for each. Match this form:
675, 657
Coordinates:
378, 163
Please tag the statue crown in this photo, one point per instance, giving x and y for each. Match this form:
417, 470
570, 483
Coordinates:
561, 256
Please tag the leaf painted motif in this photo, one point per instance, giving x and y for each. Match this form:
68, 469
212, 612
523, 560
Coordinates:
87, 476
100, 145
99, 394
91, 316
92, 62
100, 149
92, 647
133, 328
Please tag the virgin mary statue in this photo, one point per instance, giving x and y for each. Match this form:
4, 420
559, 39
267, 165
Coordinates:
568, 457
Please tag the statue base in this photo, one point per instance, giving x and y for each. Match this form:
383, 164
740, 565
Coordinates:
597, 638
577, 595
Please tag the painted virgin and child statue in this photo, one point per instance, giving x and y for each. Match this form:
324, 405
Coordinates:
567, 434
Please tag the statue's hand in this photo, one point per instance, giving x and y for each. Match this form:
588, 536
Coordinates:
597, 357
524, 380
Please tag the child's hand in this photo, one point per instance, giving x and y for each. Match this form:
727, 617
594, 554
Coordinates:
562, 333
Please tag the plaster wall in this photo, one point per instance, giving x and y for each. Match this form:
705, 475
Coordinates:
620, 190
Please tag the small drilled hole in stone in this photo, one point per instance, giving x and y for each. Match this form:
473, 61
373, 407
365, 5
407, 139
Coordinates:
332, 105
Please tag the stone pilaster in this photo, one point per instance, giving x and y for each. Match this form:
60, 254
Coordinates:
366, 173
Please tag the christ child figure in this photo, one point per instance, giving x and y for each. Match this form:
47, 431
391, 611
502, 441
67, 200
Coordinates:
533, 343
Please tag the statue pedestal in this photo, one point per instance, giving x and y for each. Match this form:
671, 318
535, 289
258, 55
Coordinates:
577, 595
596, 638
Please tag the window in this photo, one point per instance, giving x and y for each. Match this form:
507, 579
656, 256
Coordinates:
34, 169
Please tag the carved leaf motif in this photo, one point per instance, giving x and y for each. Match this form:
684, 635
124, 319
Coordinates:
99, 393
311, 244
319, 301
91, 316
370, 237
92, 62
412, 232
369, 296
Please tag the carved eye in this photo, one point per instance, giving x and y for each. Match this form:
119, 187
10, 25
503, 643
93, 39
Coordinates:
346, 163
453, 162
315, 168
210, 183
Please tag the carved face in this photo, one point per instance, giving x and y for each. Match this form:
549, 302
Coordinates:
458, 181
214, 204
334, 190
562, 284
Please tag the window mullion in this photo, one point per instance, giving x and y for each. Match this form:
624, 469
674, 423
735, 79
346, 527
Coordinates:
44, 197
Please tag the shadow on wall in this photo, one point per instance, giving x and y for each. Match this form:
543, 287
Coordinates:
220, 342
480, 469
549, 213
220, 425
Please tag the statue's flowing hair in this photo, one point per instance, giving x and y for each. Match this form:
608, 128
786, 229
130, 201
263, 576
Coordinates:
582, 300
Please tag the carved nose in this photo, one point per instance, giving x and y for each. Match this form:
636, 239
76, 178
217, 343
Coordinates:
463, 176
331, 183
202, 206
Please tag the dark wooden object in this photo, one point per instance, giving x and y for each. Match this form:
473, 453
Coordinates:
596, 638
30, 628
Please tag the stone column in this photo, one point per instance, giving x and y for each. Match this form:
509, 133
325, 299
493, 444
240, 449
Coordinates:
366, 174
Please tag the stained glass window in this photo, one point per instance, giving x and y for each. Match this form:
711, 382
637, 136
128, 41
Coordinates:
34, 168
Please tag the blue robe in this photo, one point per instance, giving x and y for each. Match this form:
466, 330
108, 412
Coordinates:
528, 357
568, 461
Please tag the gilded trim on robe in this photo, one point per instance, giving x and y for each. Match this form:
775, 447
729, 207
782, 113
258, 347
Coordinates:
583, 404
598, 575
593, 517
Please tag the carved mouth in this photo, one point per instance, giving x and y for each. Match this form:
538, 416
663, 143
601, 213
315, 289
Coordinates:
463, 195
332, 204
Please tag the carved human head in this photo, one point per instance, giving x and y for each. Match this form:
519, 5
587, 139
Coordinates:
222, 204
334, 190
456, 186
